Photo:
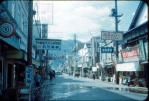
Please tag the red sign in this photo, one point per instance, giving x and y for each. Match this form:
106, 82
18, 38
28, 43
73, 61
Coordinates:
131, 55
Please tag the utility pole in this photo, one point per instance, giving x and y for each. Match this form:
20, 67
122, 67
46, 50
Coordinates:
116, 43
116, 29
75, 54
114, 14
29, 48
30, 24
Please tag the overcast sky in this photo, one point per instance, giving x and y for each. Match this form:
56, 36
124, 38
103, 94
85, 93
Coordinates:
83, 18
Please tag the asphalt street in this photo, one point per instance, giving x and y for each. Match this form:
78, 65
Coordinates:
65, 87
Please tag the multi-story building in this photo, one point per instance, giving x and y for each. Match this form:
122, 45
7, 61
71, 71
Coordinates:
13, 49
75, 56
84, 60
134, 52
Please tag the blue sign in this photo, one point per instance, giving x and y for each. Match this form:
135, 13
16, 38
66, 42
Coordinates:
29, 75
107, 49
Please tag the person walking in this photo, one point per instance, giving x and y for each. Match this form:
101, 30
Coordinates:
37, 79
54, 73
94, 76
51, 75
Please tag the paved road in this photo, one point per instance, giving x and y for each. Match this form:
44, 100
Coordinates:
65, 87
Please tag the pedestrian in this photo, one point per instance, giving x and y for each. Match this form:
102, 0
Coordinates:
54, 73
93, 76
37, 79
51, 75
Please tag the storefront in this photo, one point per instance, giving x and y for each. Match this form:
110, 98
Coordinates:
16, 63
131, 65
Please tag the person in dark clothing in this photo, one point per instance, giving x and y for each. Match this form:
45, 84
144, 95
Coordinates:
51, 75
93, 76
54, 73
37, 79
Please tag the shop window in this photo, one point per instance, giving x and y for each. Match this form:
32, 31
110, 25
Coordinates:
141, 74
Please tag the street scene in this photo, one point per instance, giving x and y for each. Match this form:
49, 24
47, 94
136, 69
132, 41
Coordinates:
65, 87
53, 50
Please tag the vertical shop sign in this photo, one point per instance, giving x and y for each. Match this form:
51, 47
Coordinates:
141, 50
146, 49
29, 75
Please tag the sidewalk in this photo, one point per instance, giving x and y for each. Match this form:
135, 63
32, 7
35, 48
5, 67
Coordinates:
123, 86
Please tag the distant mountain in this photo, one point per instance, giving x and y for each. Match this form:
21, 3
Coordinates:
66, 48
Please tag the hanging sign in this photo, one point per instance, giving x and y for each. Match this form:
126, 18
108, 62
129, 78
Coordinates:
107, 35
48, 44
146, 49
107, 50
7, 29
141, 50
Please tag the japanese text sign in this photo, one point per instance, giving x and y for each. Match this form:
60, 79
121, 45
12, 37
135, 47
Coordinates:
48, 44
130, 55
107, 49
29, 75
106, 35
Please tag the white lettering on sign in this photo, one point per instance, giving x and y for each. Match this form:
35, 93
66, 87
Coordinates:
131, 53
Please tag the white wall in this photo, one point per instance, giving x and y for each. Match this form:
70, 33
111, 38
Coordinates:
143, 16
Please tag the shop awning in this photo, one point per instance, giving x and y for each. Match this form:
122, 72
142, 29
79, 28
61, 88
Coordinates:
79, 65
94, 68
132, 66
144, 62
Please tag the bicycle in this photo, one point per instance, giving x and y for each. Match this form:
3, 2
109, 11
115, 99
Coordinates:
37, 93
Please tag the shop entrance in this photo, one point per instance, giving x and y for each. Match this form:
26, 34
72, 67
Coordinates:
10, 75
1, 73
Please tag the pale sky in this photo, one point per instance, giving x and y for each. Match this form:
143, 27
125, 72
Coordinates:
83, 18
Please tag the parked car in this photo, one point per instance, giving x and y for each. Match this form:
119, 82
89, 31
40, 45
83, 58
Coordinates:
70, 73
77, 74
58, 73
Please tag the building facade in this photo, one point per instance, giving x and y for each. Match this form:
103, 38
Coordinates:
13, 49
134, 52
